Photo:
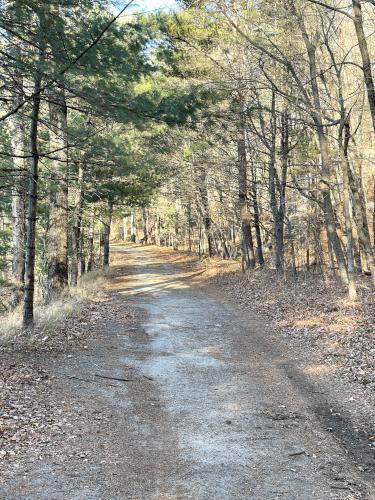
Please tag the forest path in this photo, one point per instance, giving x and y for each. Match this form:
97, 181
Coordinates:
204, 409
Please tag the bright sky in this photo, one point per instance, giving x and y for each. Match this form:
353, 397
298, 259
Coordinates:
155, 4
147, 5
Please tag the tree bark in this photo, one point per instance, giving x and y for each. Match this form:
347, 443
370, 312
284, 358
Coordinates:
90, 243
28, 300
204, 208
255, 203
248, 256
157, 230
18, 209
292, 249
146, 235
125, 228
190, 231
276, 208
329, 214
133, 235
106, 231
365, 55
281, 187
343, 146
82, 251
57, 246
77, 222
325, 183
18, 189
360, 213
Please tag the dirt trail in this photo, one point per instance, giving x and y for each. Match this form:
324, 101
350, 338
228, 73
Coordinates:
205, 408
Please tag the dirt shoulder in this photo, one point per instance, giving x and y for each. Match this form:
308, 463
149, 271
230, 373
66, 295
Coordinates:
34, 413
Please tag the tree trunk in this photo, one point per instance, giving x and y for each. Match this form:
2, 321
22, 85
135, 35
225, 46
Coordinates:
199, 240
145, 225
90, 243
82, 252
280, 224
18, 209
329, 214
343, 146
357, 255
318, 250
325, 183
157, 230
365, 55
190, 232
28, 300
258, 234
207, 229
57, 251
77, 222
106, 234
360, 213
248, 256
292, 249
133, 235
276, 208
204, 208
224, 247
359, 206
125, 228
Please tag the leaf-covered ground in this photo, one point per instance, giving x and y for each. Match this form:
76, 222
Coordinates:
31, 413
317, 314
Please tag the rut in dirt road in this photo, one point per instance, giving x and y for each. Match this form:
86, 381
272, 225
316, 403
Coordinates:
195, 405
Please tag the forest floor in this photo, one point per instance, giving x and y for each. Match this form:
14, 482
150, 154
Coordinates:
187, 380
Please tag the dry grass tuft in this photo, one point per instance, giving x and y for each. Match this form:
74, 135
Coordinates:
48, 318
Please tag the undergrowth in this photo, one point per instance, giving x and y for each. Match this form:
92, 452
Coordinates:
48, 317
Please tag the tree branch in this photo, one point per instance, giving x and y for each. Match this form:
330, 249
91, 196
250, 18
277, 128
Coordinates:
331, 7
67, 68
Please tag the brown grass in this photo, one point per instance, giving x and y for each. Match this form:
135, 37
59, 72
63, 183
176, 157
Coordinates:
49, 317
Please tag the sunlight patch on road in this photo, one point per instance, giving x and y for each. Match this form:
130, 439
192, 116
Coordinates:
319, 369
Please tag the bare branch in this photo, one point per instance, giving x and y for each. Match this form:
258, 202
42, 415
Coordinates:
332, 8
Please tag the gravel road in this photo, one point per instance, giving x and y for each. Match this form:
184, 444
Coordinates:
192, 401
